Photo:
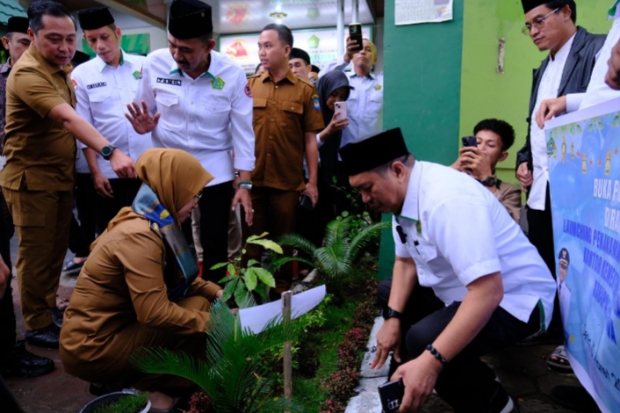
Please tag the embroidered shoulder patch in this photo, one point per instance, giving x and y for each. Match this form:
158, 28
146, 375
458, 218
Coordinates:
74, 82
315, 102
247, 90
378, 87
137, 74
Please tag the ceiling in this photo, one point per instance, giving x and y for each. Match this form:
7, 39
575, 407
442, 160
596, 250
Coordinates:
234, 16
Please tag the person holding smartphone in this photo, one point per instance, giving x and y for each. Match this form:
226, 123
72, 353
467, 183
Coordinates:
490, 146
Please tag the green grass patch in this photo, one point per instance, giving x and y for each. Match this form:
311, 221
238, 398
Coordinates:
129, 404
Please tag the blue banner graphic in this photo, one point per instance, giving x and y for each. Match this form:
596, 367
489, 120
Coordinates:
584, 175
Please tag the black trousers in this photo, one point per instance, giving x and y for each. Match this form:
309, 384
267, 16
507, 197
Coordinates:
467, 384
215, 207
7, 312
83, 233
540, 234
125, 191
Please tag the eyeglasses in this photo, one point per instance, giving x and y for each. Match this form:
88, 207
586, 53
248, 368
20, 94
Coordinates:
538, 23
197, 197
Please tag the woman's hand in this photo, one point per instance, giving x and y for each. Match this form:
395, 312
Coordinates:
335, 125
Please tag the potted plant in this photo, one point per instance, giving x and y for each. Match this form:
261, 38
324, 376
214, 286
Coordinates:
126, 401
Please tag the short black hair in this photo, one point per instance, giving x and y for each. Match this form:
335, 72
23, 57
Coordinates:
284, 33
41, 8
559, 4
501, 128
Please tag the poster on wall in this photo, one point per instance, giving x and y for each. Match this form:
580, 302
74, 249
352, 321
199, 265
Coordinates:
321, 45
422, 11
584, 175
130, 43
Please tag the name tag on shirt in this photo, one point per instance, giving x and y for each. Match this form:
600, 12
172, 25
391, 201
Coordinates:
174, 82
96, 85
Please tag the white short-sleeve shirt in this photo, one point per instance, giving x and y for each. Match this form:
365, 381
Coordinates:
208, 116
457, 231
103, 93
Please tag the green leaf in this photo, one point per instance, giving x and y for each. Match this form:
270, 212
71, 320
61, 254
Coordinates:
241, 293
226, 279
229, 289
252, 263
250, 279
255, 237
267, 244
244, 251
219, 265
265, 276
231, 269
345, 214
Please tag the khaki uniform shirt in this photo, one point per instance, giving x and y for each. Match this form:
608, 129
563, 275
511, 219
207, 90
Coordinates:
510, 197
40, 153
5, 69
283, 112
123, 283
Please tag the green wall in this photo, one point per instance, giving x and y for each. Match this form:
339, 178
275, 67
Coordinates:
485, 93
441, 79
422, 67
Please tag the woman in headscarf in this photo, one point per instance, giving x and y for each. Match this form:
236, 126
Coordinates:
139, 286
332, 87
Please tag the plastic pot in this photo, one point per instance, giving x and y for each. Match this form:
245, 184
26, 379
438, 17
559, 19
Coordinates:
112, 398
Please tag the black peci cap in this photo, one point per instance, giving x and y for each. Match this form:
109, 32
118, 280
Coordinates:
95, 18
299, 54
17, 25
373, 151
189, 19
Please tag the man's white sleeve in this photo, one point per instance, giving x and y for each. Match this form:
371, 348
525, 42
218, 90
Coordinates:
399, 248
573, 101
83, 103
241, 115
462, 230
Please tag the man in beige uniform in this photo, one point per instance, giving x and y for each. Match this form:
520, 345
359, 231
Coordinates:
40, 149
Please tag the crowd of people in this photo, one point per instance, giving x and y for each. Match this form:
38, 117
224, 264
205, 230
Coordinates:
174, 158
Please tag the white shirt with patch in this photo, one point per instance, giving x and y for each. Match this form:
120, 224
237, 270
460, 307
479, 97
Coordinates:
364, 107
103, 93
457, 232
208, 116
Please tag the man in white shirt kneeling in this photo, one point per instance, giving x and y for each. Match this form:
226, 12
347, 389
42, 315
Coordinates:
453, 237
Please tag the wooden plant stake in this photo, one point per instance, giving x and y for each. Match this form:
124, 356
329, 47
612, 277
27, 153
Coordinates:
288, 356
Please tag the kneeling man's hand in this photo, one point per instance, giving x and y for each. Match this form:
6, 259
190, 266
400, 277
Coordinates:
419, 377
388, 339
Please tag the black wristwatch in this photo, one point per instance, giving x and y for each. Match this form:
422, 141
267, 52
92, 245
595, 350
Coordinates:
106, 151
489, 182
391, 313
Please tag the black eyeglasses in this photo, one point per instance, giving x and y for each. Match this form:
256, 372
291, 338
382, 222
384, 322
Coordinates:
197, 197
538, 23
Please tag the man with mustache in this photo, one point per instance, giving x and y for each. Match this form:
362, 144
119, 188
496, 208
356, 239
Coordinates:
192, 98
40, 149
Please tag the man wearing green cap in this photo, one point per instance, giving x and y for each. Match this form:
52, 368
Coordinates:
483, 285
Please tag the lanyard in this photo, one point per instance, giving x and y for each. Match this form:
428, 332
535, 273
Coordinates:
612, 12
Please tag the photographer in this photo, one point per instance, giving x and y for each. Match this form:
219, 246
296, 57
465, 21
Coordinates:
452, 237
493, 138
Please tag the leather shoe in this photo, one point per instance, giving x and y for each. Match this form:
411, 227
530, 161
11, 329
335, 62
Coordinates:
47, 337
24, 364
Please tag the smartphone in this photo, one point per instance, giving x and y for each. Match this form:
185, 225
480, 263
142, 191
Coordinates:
355, 34
306, 202
469, 141
391, 395
341, 108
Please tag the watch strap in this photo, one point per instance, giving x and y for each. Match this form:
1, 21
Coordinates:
389, 312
